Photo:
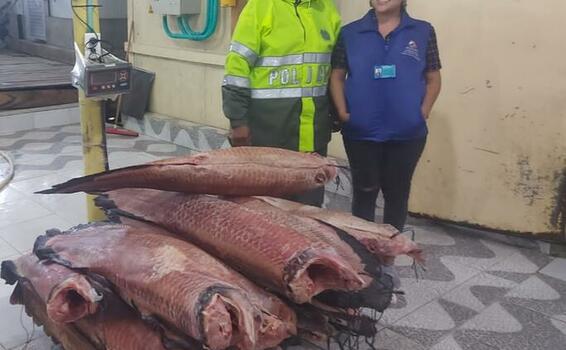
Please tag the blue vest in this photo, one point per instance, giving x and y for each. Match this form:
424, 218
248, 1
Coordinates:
385, 109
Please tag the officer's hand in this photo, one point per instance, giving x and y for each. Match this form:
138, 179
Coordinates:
240, 136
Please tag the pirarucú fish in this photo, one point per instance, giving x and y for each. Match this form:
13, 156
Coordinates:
274, 256
241, 171
114, 326
68, 296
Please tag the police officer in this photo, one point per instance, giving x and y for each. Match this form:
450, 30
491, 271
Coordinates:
276, 75
385, 80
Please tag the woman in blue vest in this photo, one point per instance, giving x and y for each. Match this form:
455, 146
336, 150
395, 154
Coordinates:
385, 80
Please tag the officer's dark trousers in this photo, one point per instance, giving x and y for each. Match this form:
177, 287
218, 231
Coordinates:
386, 167
314, 197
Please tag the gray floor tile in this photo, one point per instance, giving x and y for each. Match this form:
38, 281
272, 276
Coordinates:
468, 295
390, 340
517, 263
6, 250
16, 326
41, 343
540, 293
426, 325
442, 273
556, 269
14, 213
22, 236
70, 207
447, 343
510, 327
431, 235
28, 187
417, 294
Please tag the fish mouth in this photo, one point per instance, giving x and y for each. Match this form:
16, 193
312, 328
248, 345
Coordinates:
72, 300
230, 320
315, 272
273, 330
217, 324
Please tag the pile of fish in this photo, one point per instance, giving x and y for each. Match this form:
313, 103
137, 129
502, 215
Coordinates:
203, 252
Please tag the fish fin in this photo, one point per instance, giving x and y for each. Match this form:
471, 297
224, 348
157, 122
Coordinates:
9, 272
40, 243
103, 201
43, 252
114, 213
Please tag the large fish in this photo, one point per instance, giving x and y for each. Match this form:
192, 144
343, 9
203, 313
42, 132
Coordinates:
175, 282
242, 171
382, 240
65, 334
275, 256
113, 326
378, 288
68, 295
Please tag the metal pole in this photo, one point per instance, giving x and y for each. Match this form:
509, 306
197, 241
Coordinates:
92, 120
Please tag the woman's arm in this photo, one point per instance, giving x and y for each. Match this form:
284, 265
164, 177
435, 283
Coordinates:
433, 86
337, 80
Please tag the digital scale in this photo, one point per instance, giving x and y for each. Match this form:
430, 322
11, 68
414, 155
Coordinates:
107, 77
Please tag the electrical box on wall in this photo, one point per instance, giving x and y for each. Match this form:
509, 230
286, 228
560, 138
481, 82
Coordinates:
176, 7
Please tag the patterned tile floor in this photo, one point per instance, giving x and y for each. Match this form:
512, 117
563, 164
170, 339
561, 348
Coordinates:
479, 291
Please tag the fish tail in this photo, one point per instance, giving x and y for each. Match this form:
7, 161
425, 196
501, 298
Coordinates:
75, 185
97, 183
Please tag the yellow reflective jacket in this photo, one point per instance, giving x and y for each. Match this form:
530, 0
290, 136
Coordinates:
277, 71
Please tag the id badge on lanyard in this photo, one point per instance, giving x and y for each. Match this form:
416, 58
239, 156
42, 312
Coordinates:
384, 72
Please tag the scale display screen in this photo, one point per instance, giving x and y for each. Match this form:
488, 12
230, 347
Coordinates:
103, 80
100, 78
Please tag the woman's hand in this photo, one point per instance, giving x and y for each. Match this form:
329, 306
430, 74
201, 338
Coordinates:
344, 116
425, 110
337, 79
433, 85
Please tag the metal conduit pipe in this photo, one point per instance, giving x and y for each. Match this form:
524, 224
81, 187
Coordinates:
4, 182
187, 32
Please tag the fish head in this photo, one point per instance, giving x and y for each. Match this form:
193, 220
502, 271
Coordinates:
72, 300
314, 271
